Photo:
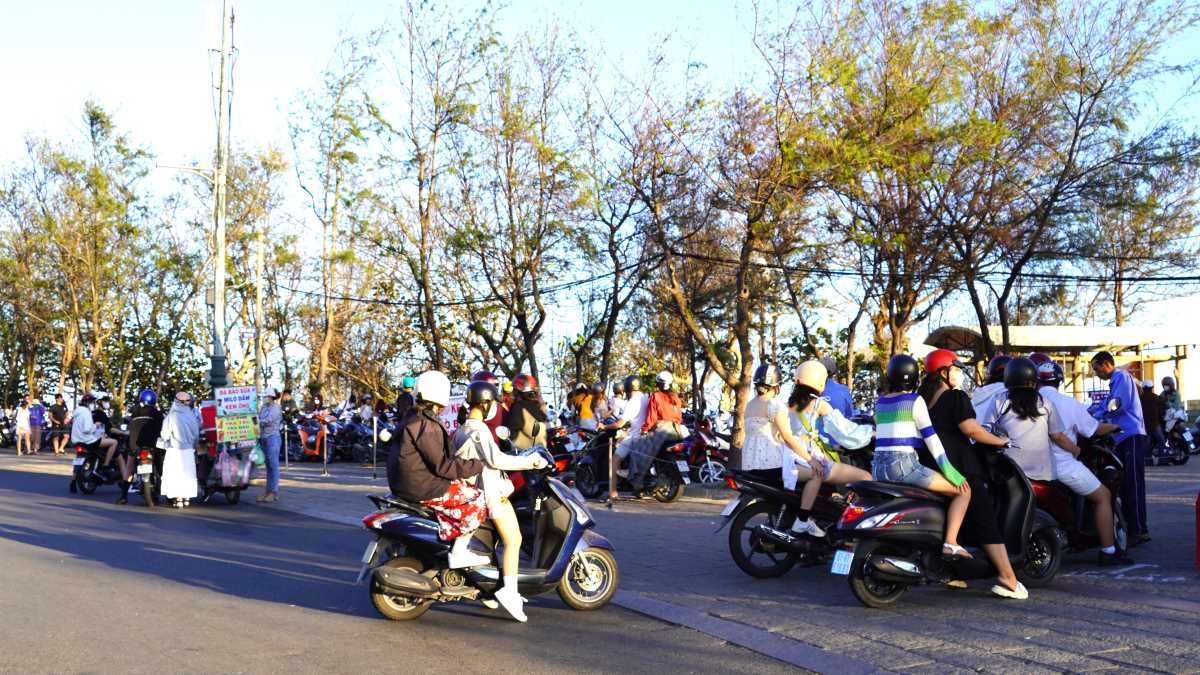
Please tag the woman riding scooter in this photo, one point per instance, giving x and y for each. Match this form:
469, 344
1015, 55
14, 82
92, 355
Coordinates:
422, 468
954, 421
903, 425
473, 441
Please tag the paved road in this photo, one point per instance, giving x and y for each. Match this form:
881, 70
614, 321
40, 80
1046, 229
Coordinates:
1143, 618
247, 589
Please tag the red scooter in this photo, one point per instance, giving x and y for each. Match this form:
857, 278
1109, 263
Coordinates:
1073, 512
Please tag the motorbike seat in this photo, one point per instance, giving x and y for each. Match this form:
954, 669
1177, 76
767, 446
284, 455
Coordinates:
415, 508
898, 490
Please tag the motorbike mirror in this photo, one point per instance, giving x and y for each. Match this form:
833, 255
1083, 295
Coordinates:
1114, 405
503, 433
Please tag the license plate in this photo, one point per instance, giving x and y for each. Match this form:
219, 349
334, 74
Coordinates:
369, 554
77, 462
728, 510
1187, 436
683, 467
145, 469
841, 562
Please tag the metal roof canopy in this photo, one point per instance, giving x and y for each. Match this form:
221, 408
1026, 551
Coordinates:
1056, 339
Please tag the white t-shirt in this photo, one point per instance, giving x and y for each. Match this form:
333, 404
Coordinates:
616, 406
1074, 417
635, 413
1033, 449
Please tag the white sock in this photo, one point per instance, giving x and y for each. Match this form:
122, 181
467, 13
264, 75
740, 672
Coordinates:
1109, 550
510, 583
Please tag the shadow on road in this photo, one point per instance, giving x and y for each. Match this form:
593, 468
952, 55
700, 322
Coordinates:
239, 550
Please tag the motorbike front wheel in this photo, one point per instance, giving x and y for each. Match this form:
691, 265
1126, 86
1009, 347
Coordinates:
758, 558
867, 588
398, 607
590, 580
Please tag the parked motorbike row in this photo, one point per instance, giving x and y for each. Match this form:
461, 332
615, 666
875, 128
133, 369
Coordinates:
887, 537
345, 437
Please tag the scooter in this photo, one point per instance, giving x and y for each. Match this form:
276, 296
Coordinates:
88, 474
1181, 444
1073, 512
406, 560
893, 535
664, 480
760, 519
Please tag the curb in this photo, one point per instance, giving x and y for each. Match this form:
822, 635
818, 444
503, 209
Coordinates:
713, 491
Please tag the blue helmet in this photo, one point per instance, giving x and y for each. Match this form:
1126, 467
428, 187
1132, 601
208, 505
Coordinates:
408, 382
148, 397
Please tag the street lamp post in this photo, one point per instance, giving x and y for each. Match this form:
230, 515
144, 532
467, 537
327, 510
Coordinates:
217, 376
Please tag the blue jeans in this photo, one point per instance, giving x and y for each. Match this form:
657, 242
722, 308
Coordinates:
270, 447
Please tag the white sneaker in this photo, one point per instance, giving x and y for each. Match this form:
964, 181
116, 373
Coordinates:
808, 527
490, 603
623, 473
458, 560
512, 602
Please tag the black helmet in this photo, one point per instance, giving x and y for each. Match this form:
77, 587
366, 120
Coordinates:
598, 389
996, 367
1050, 374
902, 373
1020, 373
632, 383
618, 388
766, 375
481, 391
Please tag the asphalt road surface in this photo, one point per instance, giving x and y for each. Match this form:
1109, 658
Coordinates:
87, 586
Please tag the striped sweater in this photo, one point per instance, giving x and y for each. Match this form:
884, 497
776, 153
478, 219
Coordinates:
903, 425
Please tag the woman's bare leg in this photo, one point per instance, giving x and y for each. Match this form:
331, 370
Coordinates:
510, 533
841, 474
998, 554
958, 506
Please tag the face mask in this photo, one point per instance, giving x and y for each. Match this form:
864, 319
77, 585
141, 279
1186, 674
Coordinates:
91, 406
956, 378
106, 405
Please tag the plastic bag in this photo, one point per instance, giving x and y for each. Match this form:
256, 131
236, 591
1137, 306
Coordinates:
227, 467
244, 472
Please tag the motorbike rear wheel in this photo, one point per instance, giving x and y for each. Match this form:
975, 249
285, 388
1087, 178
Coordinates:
1043, 558
148, 492
86, 479
397, 607
667, 486
587, 482
590, 580
871, 591
744, 544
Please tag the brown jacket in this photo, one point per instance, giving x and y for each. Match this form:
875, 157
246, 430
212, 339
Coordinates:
420, 463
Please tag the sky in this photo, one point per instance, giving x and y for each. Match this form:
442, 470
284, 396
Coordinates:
150, 63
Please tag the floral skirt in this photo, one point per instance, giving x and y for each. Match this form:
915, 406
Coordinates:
460, 511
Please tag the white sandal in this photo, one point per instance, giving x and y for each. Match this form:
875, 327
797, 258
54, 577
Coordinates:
1021, 593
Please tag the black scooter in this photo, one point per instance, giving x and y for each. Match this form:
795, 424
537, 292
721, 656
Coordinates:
88, 474
760, 519
893, 534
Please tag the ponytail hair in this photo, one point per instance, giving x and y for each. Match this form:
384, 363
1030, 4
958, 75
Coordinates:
1025, 403
801, 396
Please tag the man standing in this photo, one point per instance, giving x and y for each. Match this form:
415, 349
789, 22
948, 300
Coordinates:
58, 422
270, 425
1132, 442
1152, 413
37, 419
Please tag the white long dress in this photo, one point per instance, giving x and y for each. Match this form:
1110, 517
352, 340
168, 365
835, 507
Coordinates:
179, 436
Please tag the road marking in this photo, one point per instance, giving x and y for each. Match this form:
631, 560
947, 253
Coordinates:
1122, 574
792, 652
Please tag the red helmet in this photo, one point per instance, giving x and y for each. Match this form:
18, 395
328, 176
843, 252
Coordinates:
525, 383
485, 376
938, 359
1039, 358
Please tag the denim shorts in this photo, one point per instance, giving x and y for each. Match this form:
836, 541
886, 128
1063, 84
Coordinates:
901, 467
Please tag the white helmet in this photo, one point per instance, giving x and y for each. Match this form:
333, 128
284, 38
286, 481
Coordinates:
812, 374
434, 387
664, 380
271, 392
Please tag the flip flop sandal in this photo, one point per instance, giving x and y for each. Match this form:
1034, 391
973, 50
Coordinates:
954, 551
1019, 594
